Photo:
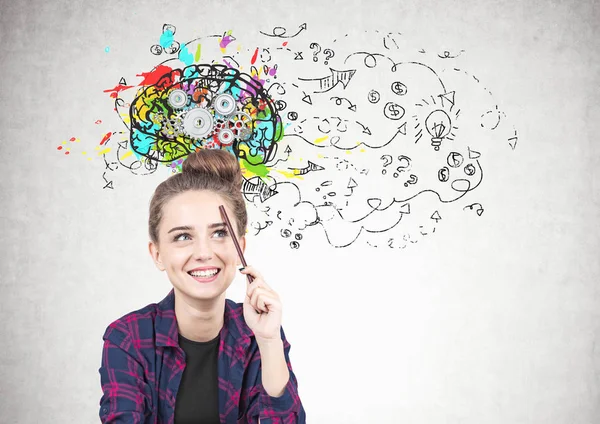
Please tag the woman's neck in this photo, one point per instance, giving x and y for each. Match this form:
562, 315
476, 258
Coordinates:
199, 321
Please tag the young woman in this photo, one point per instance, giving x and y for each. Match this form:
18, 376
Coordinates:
197, 357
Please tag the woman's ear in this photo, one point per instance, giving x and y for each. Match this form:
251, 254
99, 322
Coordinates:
153, 249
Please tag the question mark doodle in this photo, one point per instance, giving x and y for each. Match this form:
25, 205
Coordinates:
404, 165
387, 159
315, 46
328, 55
413, 180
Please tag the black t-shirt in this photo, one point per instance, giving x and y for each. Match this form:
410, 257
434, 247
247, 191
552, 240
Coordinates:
198, 394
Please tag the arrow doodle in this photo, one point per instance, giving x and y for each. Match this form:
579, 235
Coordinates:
310, 168
256, 186
327, 83
280, 32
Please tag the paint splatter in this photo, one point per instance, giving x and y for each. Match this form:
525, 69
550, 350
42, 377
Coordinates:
152, 77
226, 40
166, 39
198, 53
105, 138
185, 56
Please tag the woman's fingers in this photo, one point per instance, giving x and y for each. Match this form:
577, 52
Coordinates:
261, 298
260, 295
258, 278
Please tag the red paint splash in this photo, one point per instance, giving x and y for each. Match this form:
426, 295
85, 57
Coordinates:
253, 61
105, 138
152, 77
284, 44
114, 92
72, 139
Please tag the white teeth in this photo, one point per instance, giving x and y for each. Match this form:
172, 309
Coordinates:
208, 273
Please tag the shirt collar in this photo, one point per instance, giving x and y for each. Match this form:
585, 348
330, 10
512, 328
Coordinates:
166, 323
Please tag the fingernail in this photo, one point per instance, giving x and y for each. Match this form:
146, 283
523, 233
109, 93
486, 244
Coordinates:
242, 268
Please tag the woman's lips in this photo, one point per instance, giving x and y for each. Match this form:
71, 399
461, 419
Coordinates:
205, 279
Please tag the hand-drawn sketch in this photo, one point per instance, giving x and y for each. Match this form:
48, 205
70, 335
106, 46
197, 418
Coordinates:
361, 137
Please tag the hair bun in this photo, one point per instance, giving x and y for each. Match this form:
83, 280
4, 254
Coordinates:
214, 162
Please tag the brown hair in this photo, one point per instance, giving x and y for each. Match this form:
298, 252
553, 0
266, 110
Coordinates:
205, 169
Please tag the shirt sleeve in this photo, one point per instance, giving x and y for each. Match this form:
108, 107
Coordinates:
285, 409
127, 397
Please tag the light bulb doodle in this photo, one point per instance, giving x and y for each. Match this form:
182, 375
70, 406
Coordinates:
438, 126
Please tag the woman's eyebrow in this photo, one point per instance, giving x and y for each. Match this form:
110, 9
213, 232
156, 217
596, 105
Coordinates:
191, 228
216, 225
183, 227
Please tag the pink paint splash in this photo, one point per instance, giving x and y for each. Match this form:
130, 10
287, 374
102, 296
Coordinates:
225, 41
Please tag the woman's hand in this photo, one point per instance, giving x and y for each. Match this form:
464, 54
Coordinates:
262, 308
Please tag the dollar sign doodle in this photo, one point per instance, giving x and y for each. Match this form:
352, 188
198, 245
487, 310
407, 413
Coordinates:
373, 96
393, 111
399, 88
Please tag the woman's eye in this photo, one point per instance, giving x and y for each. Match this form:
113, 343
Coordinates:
178, 237
221, 233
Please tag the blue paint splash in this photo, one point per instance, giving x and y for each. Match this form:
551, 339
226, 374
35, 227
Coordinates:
166, 39
185, 56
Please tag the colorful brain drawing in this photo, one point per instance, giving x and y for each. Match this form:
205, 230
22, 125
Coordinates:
205, 106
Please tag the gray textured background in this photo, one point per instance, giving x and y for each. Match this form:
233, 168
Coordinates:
494, 320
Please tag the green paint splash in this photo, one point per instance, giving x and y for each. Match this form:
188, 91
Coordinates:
261, 170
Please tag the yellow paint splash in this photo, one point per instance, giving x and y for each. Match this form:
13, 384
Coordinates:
290, 174
127, 154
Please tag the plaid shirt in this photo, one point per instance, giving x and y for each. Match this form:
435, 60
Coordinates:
142, 365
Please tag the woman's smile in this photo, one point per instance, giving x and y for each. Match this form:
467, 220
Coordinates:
204, 274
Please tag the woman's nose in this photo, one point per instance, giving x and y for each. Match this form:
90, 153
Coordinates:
203, 250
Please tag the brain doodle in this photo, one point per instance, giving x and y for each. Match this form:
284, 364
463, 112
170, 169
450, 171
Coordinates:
372, 144
205, 106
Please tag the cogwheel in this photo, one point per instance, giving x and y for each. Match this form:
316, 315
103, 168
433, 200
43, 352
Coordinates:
198, 123
225, 104
178, 99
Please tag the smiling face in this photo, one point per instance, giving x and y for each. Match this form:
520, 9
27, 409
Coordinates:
195, 247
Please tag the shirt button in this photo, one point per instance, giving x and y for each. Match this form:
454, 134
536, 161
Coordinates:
105, 410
